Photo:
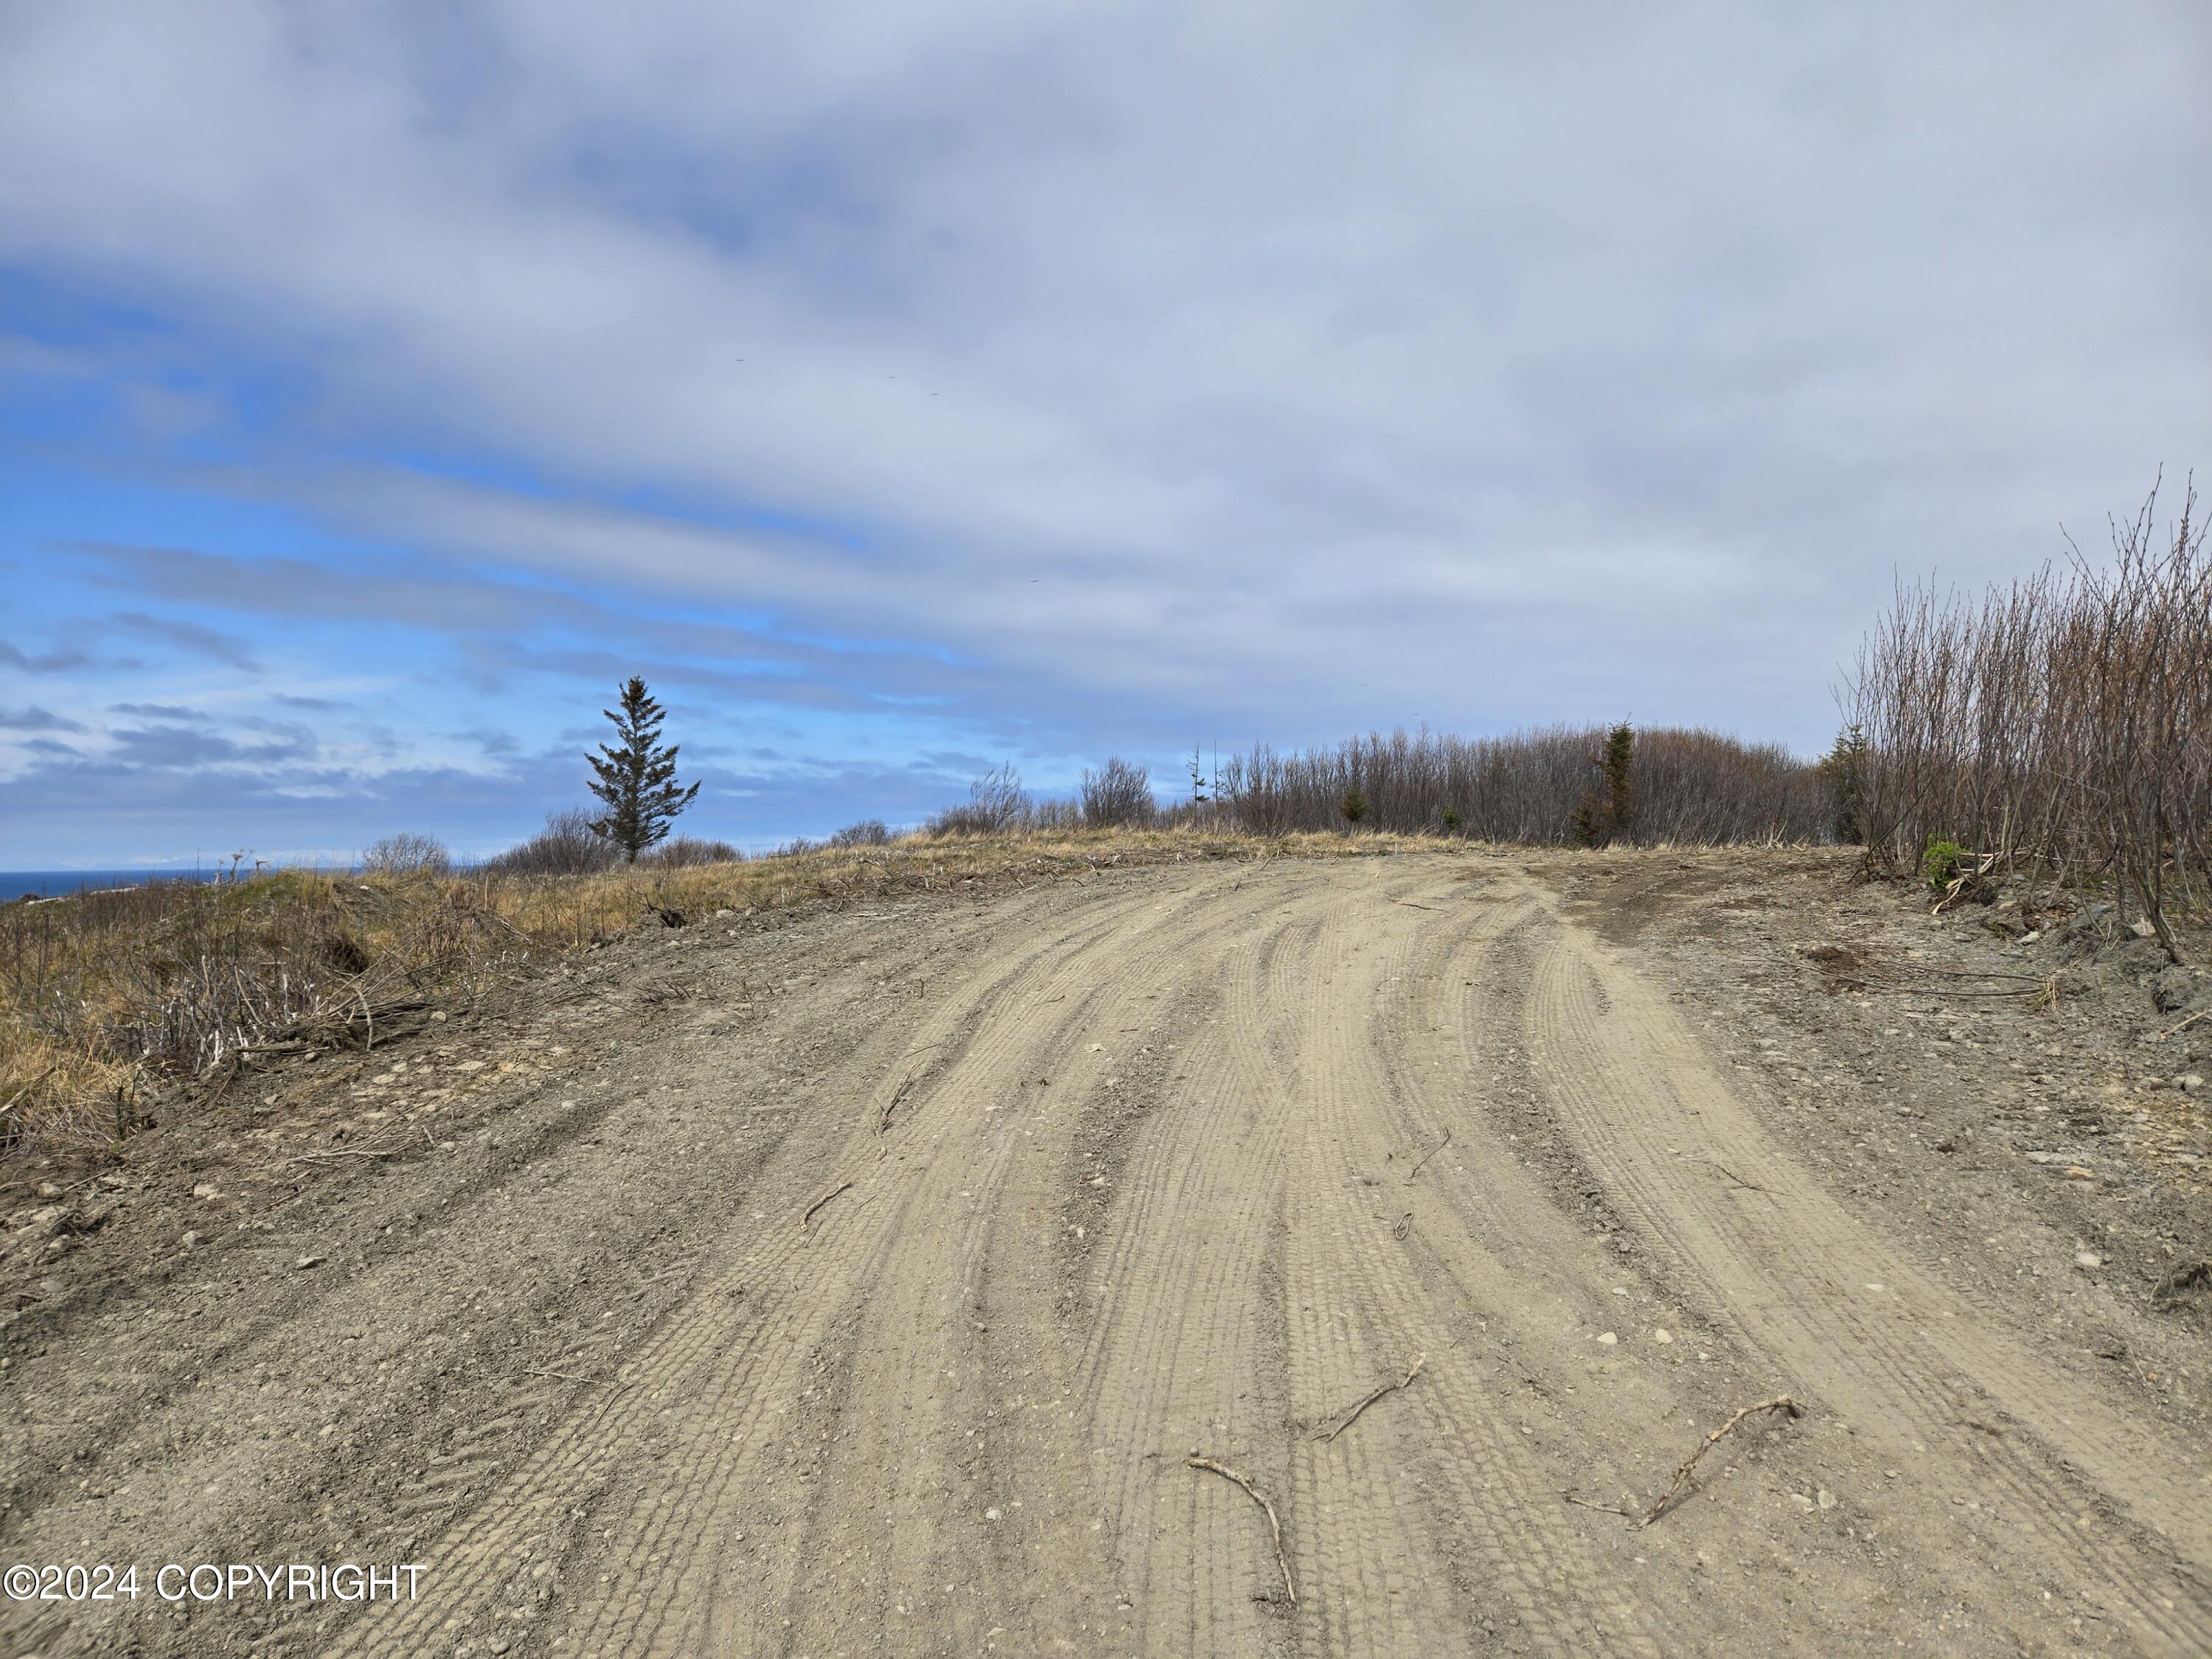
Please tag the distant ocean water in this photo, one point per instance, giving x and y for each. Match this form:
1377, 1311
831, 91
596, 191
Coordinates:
52, 883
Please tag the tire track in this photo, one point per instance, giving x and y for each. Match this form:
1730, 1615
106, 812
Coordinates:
679, 1382
933, 1355
1843, 1309
693, 1413
1561, 1593
1177, 1360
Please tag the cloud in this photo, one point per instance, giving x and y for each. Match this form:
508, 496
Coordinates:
156, 711
194, 637
44, 662
495, 744
36, 720
31, 718
1005, 379
508, 628
184, 749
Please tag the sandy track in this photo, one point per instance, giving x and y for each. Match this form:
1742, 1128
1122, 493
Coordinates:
1131, 1176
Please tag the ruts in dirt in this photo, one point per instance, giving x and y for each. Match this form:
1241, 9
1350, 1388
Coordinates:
872, 1297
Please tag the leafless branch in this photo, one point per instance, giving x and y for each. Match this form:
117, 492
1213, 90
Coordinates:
1274, 1525
1781, 1403
817, 1205
1352, 1416
1426, 1155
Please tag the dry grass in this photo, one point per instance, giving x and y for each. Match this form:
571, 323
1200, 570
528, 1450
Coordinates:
111, 1002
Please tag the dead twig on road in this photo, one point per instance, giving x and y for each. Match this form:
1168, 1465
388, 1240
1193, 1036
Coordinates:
1603, 1509
1405, 1225
884, 1122
1781, 1403
819, 1202
1352, 1416
1252, 1492
1426, 1155
1748, 1186
323, 1157
2202, 1013
1410, 905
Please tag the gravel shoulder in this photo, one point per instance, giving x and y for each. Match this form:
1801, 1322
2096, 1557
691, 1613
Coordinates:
863, 1278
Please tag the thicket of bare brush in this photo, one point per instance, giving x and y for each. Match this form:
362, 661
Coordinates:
1690, 788
2062, 725
112, 1002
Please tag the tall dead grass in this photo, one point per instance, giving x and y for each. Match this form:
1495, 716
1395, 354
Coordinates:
2061, 724
105, 997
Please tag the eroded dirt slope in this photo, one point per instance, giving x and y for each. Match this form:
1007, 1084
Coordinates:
864, 1286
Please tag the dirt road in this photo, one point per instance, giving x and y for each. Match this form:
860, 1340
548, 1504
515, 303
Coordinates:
864, 1287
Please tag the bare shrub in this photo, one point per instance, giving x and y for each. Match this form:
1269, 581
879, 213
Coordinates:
678, 851
996, 804
2062, 724
407, 854
1049, 815
1688, 788
1118, 795
867, 832
566, 846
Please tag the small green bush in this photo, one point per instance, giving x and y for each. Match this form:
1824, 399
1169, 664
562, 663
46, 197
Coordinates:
1451, 820
1939, 864
1354, 805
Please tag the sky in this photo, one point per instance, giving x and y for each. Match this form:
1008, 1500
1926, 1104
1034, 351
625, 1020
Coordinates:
905, 389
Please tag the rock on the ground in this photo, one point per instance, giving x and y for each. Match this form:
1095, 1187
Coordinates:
2174, 990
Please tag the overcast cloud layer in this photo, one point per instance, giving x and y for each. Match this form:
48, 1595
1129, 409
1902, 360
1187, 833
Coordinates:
902, 389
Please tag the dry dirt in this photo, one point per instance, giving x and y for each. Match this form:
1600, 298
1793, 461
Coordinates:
861, 1282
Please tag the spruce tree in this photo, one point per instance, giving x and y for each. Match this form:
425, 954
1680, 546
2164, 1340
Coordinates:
1844, 772
637, 777
1619, 767
1599, 823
